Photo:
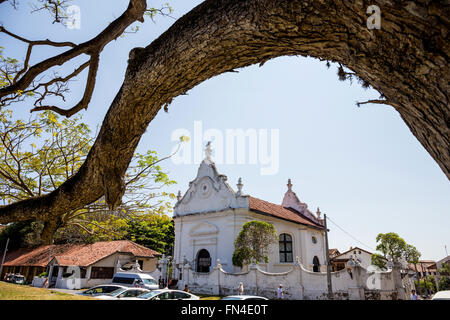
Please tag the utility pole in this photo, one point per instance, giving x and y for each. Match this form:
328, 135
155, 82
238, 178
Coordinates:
330, 288
4, 255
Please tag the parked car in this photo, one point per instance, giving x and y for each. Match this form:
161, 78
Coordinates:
100, 290
243, 297
442, 295
123, 294
167, 294
131, 279
15, 278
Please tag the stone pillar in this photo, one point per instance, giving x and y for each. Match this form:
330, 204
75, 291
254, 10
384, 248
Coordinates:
49, 277
398, 285
88, 273
218, 268
60, 276
163, 263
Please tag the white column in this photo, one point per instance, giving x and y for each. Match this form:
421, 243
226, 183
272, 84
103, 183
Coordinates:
60, 271
88, 273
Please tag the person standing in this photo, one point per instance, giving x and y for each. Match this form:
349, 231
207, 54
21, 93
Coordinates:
241, 289
414, 295
280, 292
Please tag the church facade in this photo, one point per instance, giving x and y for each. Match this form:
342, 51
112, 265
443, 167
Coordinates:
210, 215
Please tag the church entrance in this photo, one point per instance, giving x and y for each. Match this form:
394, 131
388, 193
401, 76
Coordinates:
203, 261
316, 264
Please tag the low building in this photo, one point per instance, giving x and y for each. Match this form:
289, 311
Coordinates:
338, 261
440, 264
425, 268
90, 264
333, 253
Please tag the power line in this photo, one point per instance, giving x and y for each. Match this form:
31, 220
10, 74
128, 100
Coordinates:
328, 218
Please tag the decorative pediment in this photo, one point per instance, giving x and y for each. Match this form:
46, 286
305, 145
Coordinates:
209, 192
203, 229
291, 200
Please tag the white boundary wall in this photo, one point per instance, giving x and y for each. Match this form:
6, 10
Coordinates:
356, 283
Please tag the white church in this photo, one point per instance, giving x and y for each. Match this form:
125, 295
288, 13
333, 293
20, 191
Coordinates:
210, 215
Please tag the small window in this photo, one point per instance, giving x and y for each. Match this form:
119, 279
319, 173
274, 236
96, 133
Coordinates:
123, 280
285, 245
102, 272
180, 295
359, 251
314, 239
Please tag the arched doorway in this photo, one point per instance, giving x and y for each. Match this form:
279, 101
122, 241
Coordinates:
316, 264
203, 261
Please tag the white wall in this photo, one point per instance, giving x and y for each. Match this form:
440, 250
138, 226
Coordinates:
216, 232
299, 283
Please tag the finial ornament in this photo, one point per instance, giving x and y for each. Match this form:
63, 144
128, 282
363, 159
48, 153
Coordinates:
179, 196
239, 186
208, 151
318, 213
289, 185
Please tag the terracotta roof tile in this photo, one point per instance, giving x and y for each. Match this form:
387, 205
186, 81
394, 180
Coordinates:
281, 212
75, 254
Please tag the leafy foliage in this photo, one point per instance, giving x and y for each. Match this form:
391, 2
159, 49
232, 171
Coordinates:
29, 170
24, 234
153, 231
253, 242
426, 285
379, 261
391, 245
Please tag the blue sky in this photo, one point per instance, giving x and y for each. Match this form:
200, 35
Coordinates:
361, 166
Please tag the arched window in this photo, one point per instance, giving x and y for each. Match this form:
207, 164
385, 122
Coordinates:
203, 261
316, 264
286, 248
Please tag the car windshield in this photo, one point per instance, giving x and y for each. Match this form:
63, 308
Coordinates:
116, 292
150, 294
149, 281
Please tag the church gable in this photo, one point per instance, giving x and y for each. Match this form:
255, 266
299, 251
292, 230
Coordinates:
203, 229
209, 192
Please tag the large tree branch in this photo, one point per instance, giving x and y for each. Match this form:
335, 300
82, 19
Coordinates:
135, 12
406, 61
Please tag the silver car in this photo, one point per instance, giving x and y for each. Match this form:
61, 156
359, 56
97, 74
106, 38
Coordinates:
123, 294
100, 290
167, 294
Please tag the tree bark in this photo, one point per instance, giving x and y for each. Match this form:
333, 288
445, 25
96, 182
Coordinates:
406, 60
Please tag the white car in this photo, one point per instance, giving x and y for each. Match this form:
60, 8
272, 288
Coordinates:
243, 297
167, 294
100, 290
123, 294
442, 295
130, 279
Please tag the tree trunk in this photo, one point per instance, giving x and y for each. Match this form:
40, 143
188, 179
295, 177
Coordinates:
406, 60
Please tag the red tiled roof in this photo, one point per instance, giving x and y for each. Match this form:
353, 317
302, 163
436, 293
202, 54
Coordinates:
75, 254
332, 252
275, 210
351, 249
424, 265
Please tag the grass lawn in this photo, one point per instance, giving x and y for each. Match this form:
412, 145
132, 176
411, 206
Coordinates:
9, 291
